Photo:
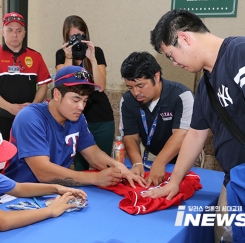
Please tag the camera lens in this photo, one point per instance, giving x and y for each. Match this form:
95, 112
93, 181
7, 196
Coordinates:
78, 46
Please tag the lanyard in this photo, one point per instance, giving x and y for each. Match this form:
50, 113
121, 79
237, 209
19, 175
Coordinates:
149, 134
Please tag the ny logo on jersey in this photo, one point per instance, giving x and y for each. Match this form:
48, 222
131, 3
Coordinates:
224, 97
71, 139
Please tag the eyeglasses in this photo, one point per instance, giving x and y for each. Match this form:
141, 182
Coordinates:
168, 55
79, 75
10, 18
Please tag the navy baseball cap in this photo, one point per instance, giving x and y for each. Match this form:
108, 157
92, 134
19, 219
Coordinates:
74, 75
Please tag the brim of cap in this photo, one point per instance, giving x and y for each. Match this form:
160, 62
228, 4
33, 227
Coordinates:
96, 87
6, 23
7, 151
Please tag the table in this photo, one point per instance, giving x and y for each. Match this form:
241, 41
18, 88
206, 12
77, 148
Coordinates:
103, 222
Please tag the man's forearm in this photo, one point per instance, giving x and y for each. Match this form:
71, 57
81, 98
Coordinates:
134, 155
48, 172
190, 149
133, 149
4, 104
68, 177
41, 93
81, 178
97, 158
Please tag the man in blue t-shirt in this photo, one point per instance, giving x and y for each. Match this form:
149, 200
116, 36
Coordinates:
188, 43
48, 135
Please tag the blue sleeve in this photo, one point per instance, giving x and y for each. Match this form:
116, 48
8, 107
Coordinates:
6, 184
31, 134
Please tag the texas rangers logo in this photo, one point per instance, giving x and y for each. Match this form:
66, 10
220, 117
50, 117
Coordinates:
71, 140
224, 97
166, 116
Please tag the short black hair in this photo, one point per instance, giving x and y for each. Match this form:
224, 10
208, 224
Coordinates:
173, 21
140, 65
81, 89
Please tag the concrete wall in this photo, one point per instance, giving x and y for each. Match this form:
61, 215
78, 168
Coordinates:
118, 27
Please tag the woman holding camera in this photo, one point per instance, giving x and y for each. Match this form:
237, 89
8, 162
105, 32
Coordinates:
79, 50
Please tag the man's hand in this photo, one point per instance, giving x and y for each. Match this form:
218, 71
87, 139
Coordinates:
156, 175
130, 176
109, 177
168, 191
138, 170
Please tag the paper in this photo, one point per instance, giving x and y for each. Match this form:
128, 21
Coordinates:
6, 198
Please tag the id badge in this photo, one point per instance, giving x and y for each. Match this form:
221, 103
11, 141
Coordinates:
13, 69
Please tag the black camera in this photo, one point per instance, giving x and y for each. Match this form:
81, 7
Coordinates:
78, 48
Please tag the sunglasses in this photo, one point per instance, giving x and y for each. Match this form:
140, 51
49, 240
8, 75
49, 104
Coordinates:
79, 75
10, 18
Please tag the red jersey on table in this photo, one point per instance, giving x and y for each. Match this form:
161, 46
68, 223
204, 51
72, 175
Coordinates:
134, 203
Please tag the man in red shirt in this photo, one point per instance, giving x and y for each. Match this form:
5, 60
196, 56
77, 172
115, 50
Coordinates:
23, 73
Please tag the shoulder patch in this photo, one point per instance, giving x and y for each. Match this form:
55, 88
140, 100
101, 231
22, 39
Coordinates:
28, 61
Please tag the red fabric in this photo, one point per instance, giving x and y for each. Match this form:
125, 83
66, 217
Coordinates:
7, 150
134, 203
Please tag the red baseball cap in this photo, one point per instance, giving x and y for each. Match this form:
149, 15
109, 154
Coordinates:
13, 17
7, 150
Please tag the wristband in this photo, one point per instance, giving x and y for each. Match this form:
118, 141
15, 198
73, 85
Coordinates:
68, 57
140, 163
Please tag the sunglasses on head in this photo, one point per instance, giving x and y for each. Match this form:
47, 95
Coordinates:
79, 75
10, 18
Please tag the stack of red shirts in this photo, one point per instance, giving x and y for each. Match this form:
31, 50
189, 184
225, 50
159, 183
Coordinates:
134, 203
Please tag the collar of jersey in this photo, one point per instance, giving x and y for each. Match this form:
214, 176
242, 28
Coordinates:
6, 48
